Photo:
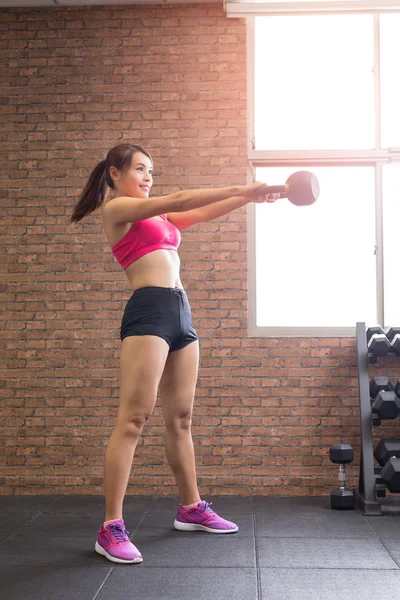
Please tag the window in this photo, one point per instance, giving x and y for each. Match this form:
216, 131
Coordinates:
391, 241
324, 98
312, 91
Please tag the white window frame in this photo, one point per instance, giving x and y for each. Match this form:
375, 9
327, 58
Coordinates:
252, 8
308, 158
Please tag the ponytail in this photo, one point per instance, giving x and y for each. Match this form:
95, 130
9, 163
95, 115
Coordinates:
93, 194
100, 181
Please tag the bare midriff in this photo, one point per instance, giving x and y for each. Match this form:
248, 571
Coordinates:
159, 268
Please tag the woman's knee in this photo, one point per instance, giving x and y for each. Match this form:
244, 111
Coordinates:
132, 425
134, 410
178, 422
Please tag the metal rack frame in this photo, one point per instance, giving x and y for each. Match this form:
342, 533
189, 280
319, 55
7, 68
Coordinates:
370, 496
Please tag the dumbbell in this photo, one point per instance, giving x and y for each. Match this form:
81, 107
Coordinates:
377, 341
384, 400
380, 384
393, 335
341, 498
301, 188
391, 474
387, 453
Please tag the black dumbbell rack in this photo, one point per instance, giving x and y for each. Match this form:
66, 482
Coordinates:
370, 495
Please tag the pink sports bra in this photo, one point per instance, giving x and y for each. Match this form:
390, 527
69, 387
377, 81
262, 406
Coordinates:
144, 237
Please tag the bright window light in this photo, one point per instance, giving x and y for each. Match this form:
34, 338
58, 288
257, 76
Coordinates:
390, 89
316, 265
391, 237
324, 88
314, 82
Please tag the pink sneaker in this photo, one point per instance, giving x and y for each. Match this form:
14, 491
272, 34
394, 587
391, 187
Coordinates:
113, 542
202, 518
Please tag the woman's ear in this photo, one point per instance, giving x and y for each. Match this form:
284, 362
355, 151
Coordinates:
114, 174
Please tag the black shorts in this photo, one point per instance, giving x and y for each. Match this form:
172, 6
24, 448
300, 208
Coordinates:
160, 311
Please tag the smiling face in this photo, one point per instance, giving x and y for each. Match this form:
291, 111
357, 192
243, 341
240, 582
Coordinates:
137, 180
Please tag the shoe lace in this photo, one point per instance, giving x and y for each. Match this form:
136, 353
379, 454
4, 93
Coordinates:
207, 507
119, 532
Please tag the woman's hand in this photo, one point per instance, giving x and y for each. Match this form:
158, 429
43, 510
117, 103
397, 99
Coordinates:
266, 198
256, 192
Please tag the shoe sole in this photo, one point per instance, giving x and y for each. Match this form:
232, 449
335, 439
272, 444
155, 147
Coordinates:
193, 527
100, 550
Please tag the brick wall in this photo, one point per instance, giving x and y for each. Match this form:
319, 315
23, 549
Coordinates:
76, 81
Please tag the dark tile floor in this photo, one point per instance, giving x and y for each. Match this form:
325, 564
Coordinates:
286, 548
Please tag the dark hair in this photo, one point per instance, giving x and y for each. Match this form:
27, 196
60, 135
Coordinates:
99, 182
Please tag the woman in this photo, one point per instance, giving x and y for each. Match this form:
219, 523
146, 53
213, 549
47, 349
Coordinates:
159, 345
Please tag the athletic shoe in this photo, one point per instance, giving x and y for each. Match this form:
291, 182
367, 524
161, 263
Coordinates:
202, 518
113, 542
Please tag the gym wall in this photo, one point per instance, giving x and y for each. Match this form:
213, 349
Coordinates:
75, 82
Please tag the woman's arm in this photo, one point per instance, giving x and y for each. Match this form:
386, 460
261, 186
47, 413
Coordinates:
183, 220
213, 211
128, 210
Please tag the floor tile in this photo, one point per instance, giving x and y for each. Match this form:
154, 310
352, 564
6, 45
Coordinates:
170, 549
231, 503
393, 546
323, 554
75, 504
96, 504
68, 552
13, 522
47, 582
385, 527
181, 584
300, 505
25, 504
328, 584
331, 524
71, 525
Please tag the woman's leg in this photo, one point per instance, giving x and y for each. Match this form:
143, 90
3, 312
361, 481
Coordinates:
177, 392
142, 362
177, 389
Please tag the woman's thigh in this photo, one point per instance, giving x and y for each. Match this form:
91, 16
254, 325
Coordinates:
178, 383
142, 362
